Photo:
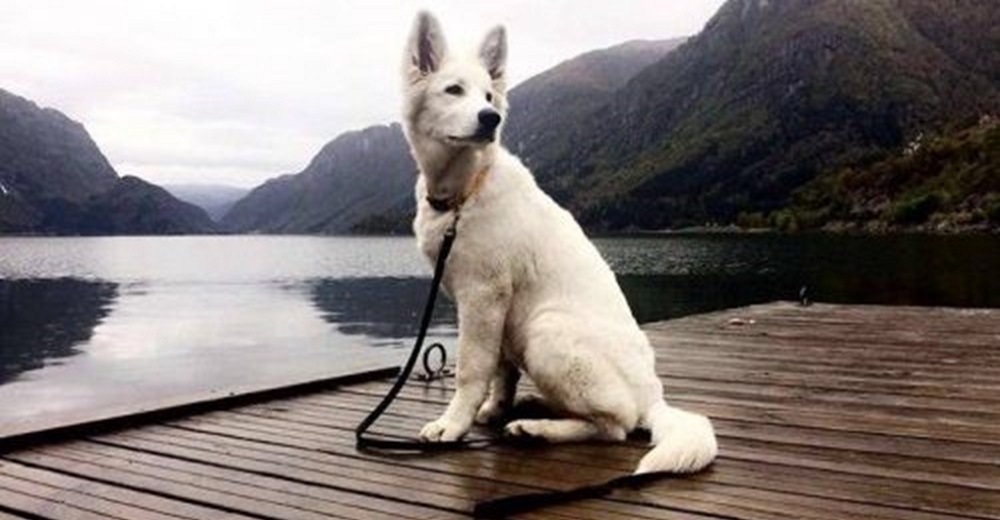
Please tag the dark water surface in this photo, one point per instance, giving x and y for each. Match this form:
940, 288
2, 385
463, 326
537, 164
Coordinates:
93, 323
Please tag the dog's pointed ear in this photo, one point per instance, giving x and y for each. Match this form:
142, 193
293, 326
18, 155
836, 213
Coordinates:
493, 52
427, 47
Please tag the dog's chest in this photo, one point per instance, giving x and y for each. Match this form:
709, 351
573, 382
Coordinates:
477, 254
430, 227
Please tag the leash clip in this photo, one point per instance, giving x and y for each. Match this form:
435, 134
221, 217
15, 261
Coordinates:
453, 227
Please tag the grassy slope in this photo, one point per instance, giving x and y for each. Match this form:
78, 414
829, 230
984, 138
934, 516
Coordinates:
763, 101
947, 183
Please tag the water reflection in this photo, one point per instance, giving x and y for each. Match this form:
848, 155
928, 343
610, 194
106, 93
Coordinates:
186, 315
146, 342
653, 297
383, 309
667, 277
42, 321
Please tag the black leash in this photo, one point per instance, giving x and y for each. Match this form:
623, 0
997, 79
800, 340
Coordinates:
365, 442
517, 504
502, 507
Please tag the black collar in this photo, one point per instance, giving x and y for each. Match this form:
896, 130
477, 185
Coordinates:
440, 205
455, 203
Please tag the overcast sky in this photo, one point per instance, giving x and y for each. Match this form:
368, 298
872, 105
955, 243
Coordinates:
237, 91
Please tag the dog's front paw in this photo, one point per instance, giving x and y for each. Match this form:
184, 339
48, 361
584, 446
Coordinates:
443, 430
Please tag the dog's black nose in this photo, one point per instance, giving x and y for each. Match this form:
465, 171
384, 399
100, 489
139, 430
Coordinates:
489, 119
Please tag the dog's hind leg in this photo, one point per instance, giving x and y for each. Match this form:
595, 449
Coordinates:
573, 376
566, 430
502, 390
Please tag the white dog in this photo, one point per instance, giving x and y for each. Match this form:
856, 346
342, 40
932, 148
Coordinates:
532, 292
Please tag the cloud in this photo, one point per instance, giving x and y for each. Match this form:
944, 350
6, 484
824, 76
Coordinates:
234, 92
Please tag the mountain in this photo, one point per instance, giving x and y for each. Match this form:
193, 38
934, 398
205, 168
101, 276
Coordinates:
55, 180
131, 206
46, 154
728, 125
949, 182
215, 199
770, 95
45, 158
357, 176
136, 207
362, 182
543, 107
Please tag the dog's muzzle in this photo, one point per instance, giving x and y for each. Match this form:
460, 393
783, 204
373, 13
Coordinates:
489, 121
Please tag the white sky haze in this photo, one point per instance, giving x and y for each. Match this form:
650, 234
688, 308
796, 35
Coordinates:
238, 91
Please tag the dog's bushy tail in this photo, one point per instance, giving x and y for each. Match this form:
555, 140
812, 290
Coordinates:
684, 442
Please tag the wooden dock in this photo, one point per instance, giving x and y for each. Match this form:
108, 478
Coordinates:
825, 412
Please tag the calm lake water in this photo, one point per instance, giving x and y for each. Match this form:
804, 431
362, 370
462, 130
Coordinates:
97, 323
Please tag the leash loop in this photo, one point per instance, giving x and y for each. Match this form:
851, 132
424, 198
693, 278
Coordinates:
440, 371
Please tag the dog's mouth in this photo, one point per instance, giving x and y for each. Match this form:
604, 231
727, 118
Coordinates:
479, 138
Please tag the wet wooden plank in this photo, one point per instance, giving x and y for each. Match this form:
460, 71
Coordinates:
795, 451
54, 509
839, 476
434, 483
542, 466
91, 496
823, 413
232, 485
21, 434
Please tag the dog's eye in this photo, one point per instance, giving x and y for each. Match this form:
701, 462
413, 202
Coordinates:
455, 90
489, 97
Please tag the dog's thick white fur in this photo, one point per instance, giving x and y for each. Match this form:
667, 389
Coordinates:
533, 294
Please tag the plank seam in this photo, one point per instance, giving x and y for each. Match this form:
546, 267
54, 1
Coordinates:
22, 514
140, 489
284, 477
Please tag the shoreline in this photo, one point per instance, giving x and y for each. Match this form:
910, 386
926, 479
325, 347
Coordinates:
837, 229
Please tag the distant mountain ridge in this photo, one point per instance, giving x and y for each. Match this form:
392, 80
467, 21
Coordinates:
724, 126
545, 106
55, 180
136, 207
215, 199
770, 95
48, 154
45, 157
357, 176
362, 182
